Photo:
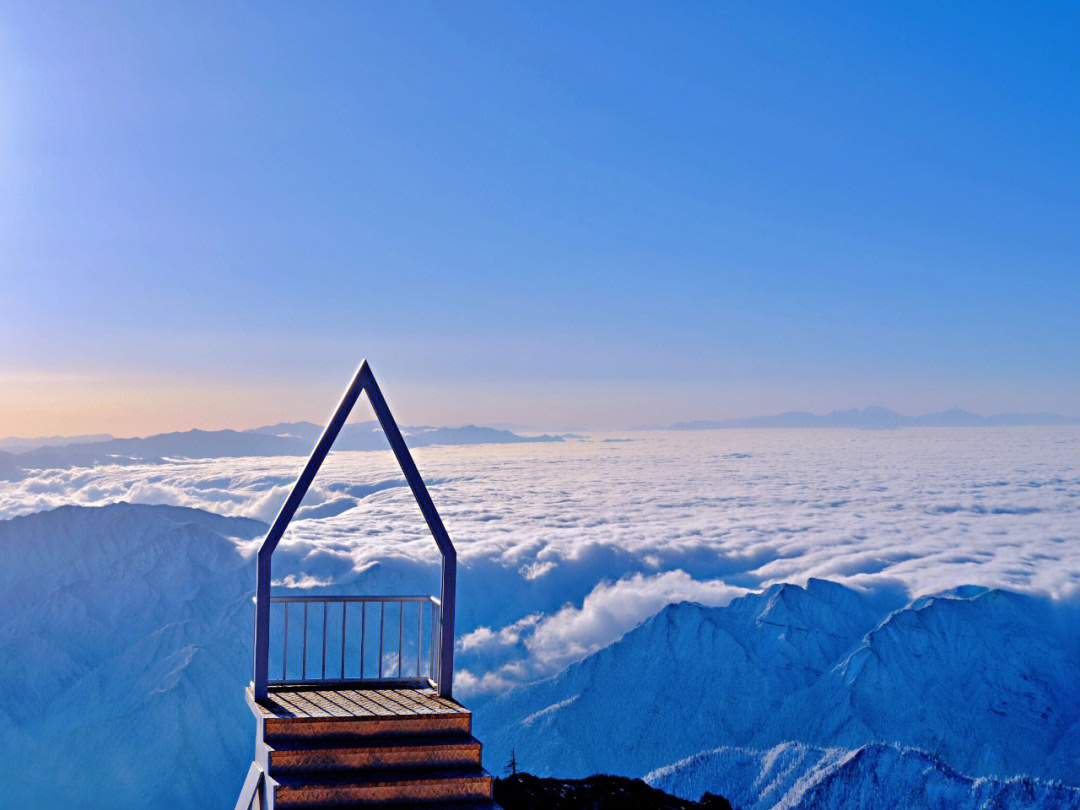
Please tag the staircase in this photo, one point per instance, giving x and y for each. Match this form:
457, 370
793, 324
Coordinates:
426, 759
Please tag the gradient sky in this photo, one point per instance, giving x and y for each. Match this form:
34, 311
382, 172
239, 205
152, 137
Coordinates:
555, 215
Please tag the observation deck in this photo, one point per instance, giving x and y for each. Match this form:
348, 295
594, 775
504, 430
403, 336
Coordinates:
352, 695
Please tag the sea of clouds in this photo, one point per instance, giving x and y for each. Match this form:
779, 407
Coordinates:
566, 546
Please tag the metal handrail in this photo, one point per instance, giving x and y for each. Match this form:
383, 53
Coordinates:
443, 640
275, 599
253, 793
341, 638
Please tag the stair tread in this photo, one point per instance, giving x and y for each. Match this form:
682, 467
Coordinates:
483, 804
339, 742
369, 726
391, 776
441, 717
342, 703
457, 726
430, 753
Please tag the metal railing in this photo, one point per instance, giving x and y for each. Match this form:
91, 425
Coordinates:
316, 633
253, 793
443, 633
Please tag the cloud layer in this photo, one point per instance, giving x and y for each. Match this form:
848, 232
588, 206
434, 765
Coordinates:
571, 544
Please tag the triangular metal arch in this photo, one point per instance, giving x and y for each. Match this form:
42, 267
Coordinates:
363, 381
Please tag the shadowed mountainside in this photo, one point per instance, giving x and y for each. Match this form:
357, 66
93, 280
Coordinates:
982, 678
123, 648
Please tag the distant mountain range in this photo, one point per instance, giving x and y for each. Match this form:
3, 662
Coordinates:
19, 444
877, 418
9, 468
369, 435
285, 439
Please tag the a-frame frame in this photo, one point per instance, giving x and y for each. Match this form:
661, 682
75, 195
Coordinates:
364, 381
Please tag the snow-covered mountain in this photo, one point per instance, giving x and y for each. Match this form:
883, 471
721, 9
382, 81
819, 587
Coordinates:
983, 678
122, 655
793, 776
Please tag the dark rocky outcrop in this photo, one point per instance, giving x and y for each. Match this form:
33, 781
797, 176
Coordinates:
523, 791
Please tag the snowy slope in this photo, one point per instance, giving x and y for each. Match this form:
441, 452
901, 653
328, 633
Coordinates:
983, 678
125, 646
793, 776
985, 681
123, 649
686, 680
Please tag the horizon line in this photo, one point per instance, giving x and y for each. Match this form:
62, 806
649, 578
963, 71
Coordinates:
703, 422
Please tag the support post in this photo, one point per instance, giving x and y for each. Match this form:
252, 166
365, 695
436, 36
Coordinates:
445, 680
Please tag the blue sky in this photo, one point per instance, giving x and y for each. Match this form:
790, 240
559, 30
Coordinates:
565, 214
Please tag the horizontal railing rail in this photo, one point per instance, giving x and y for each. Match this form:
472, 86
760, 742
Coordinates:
352, 642
388, 598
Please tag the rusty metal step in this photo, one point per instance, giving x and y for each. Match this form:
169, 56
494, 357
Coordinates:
486, 804
293, 727
340, 752
342, 788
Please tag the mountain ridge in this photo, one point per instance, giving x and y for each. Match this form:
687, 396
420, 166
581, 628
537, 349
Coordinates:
879, 418
877, 776
122, 656
978, 676
284, 439
21, 444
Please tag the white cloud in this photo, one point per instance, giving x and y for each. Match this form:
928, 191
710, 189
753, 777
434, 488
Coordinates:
611, 610
485, 638
465, 683
565, 546
537, 569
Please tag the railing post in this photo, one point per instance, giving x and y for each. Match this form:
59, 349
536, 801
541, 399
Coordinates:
446, 621
261, 675
253, 790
